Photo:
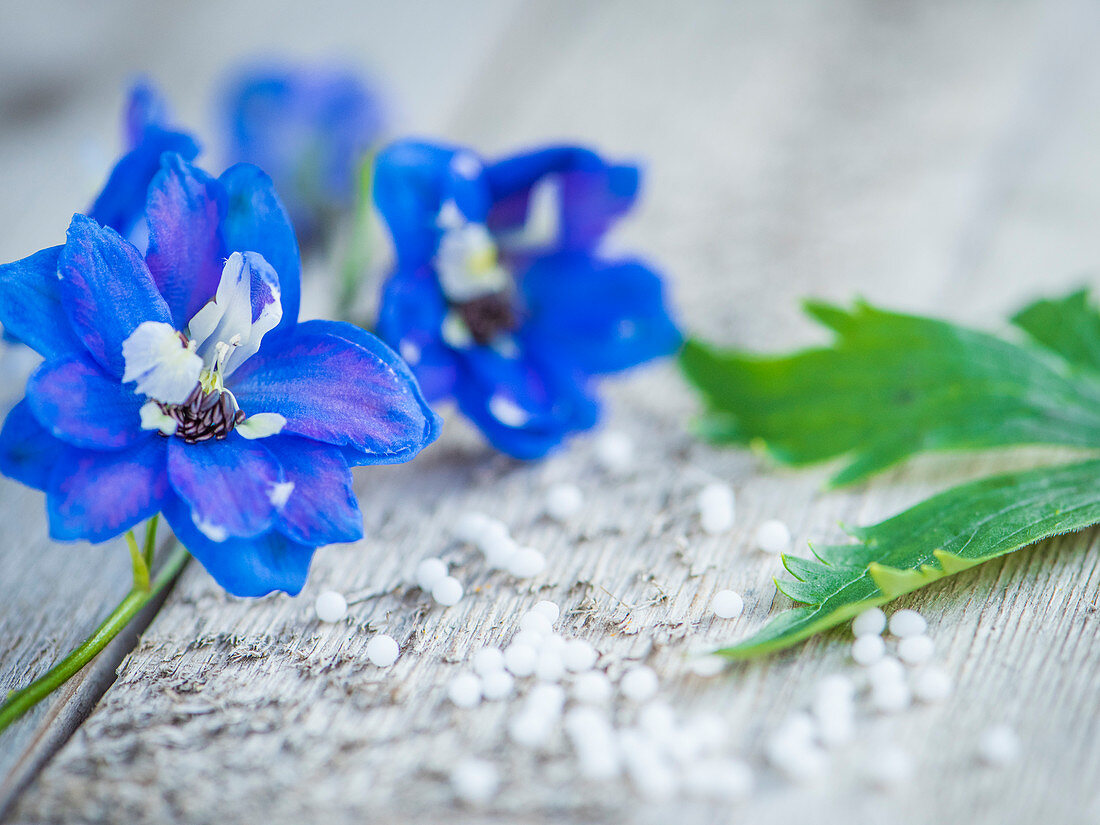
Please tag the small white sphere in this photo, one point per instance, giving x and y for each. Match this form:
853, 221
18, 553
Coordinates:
428, 572
932, 684
907, 623
837, 684
887, 669
615, 451
719, 779
592, 688
498, 546
532, 622
889, 767
578, 656
891, 697
470, 525
497, 684
716, 508
475, 781
563, 501
331, 606
870, 622
520, 659
707, 665
464, 690
488, 660
530, 638
548, 609
547, 699
550, 666
447, 591
916, 650
526, 562
999, 746
773, 537
658, 720
727, 604
382, 650
639, 684
866, 650
836, 729
530, 729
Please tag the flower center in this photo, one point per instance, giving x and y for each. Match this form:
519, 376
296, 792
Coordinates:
204, 415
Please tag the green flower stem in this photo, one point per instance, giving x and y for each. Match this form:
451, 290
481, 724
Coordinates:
360, 244
20, 701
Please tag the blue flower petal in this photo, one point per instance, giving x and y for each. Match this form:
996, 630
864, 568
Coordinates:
145, 108
80, 404
338, 384
600, 316
28, 452
321, 507
30, 305
97, 495
244, 567
593, 194
409, 320
257, 222
228, 484
184, 210
106, 290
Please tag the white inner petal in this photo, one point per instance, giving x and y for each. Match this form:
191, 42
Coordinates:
507, 411
261, 425
543, 225
466, 261
154, 418
280, 494
158, 361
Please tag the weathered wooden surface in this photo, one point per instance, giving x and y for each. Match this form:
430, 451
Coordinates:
934, 156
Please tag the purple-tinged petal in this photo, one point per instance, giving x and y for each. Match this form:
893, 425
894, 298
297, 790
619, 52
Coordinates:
145, 107
228, 484
30, 305
244, 567
184, 210
106, 290
97, 495
257, 222
338, 384
320, 507
409, 320
80, 404
28, 452
598, 315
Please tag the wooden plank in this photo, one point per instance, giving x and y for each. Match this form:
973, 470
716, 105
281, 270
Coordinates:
795, 148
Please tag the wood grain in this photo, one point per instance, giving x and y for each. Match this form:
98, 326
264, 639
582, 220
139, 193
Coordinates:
934, 157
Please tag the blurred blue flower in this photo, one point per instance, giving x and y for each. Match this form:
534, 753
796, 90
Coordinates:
499, 298
180, 381
309, 129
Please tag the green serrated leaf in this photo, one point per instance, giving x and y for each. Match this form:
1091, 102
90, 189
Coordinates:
893, 385
1069, 326
943, 535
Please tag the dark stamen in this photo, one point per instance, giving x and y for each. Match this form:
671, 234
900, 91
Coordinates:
204, 415
488, 316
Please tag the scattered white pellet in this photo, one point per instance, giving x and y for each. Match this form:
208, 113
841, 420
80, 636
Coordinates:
428, 572
719, 779
891, 697
547, 699
520, 659
795, 754
488, 660
497, 684
530, 729
475, 781
592, 688
999, 746
615, 451
916, 650
529, 638
533, 622
838, 728
464, 690
447, 591
889, 767
470, 526
866, 650
563, 501
727, 604
526, 562
931, 684
578, 656
870, 622
382, 650
773, 537
497, 544
716, 508
548, 609
658, 721
885, 670
550, 666
639, 684
331, 606
907, 623
708, 665
837, 685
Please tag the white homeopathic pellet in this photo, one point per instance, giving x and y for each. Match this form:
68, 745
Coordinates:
592, 688
526, 562
999, 746
428, 572
931, 684
916, 650
907, 623
464, 690
891, 697
447, 591
707, 665
497, 684
773, 536
578, 656
331, 606
639, 684
520, 659
727, 604
382, 650
870, 622
886, 669
716, 508
563, 501
866, 650
475, 781
548, 609
470, 526
488, 660
536, 622
889, 766
615, 451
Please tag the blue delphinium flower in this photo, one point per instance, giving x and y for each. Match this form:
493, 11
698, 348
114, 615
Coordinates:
500, 298
307, 127
180, 381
